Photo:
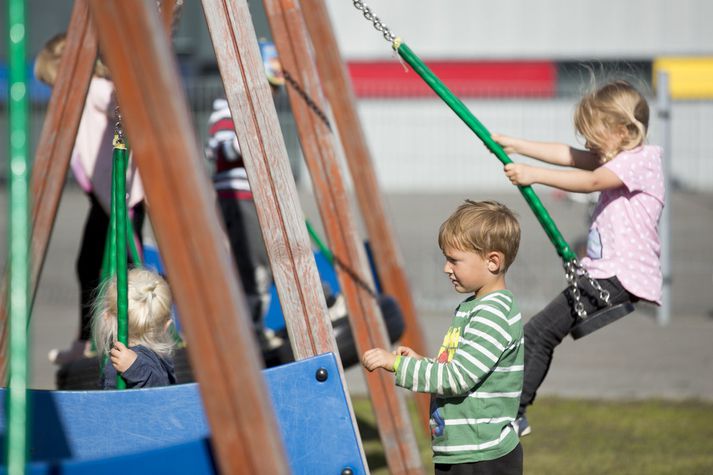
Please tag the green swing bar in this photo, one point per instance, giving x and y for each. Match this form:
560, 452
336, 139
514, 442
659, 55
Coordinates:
563, 249
561, 246
19, 255
119, 229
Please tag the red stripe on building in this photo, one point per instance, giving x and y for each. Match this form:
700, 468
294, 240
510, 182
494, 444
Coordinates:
464, 78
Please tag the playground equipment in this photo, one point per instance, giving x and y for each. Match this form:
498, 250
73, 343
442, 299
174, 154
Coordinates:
102, 432
573, 270
243, 428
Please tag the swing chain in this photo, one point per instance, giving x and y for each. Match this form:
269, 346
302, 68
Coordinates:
118, 130
570, 272
603, 293
378, 24
308, 100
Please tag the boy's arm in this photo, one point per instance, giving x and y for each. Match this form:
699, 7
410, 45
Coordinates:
549, 152
581, 181
485, 338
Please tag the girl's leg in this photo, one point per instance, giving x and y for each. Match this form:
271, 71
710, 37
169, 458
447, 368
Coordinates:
89, 262
548, 328
88, 266
543, 333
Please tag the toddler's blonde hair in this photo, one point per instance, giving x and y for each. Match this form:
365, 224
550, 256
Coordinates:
603, 111
149, 313
482, 227
47, 61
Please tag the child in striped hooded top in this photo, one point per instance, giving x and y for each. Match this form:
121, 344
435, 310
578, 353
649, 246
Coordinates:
476, 379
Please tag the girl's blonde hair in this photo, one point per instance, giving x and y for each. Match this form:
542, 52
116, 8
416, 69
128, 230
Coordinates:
608, 109
149, 313
47, 61
482, 227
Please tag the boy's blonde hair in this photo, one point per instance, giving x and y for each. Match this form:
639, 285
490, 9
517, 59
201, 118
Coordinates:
601, 112
47, 61
149, 313
482, 227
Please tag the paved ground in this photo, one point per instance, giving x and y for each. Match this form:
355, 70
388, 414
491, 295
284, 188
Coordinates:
634, 358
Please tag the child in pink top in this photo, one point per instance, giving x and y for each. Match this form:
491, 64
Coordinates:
91, 166
623, 250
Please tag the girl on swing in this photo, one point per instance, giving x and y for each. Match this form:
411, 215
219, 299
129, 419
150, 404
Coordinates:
623, 250
147, 361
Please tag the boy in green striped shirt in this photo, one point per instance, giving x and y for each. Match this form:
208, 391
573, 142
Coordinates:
476, 379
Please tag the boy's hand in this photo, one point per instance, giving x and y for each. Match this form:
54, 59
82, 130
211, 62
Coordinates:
378, 358
520, 174
406, 351
121, 357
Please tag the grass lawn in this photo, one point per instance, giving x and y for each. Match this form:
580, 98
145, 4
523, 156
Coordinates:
593, 437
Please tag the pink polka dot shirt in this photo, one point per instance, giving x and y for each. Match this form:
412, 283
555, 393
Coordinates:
623, 237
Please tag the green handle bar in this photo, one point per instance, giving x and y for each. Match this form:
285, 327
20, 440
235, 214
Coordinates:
16, 440
326, 252
119, 254
561, 246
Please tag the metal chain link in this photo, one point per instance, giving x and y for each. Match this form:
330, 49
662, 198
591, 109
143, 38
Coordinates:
118, 130
572, 270
308, 100
603, 293
378, 24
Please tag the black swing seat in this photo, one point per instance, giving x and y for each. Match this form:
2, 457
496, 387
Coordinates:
601, 318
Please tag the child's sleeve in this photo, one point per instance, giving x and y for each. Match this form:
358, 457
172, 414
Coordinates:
639, 171
484, 340
145, 373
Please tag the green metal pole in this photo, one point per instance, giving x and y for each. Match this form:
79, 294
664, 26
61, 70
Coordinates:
561, 246
17, 431
122, 297
135, 256
326, 252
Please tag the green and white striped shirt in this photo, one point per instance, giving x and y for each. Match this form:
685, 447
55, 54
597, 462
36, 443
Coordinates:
475, 381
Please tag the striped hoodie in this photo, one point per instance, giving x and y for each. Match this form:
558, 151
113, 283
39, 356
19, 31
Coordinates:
475, 381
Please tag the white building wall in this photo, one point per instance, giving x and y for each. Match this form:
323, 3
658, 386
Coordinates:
549, 29
422, 146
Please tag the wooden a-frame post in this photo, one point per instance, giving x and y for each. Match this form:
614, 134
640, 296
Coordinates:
223, 354
54, 150
55, 145
387, 257
320, 151
68, 99
271, 181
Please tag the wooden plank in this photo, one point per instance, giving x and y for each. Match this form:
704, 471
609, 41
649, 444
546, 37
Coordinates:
389, 262
270, 176
223, 355
320, 150
54, 149
271, 181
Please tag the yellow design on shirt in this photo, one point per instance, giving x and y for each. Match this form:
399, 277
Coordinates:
449, 346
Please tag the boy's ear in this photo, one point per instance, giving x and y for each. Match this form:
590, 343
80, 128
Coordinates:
495, 261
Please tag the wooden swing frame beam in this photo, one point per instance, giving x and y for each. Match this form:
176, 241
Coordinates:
275, 196
319, 147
